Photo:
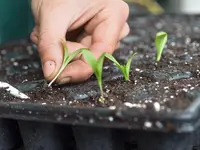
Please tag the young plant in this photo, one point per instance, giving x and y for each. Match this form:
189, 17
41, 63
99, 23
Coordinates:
66, 60
160, 41
97, 66
125, 69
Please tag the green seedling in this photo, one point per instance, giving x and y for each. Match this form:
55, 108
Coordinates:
125, 69
66, 60
160, 41
97, 66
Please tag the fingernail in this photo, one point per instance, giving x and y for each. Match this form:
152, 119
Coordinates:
48, 68
65, 80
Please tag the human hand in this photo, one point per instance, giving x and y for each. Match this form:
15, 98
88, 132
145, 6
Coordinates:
95, 24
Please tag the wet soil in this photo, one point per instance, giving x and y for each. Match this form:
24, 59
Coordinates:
168, 85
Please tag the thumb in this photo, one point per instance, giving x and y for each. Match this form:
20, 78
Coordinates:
52, 28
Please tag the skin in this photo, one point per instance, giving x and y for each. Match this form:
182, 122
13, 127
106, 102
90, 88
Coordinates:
95, 24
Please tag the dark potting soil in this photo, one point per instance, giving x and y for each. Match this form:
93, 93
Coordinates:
169, 85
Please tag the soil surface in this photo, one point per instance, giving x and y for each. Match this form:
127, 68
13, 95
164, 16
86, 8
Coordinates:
171, 84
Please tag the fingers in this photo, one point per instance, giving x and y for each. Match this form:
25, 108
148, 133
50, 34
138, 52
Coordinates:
107, 28
125, 31
86, 39
83, 38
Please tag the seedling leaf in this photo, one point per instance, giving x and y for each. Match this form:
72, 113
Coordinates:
99, 69
128, 65
90, 59
65, 48
160, 41
120, 67
113, 60
72, 55
97, 66
66, 60
125, 69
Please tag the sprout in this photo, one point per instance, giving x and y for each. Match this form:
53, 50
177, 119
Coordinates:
97, 66
160, 41
125, 69
67, 59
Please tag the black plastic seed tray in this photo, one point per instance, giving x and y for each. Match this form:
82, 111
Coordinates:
158, 109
